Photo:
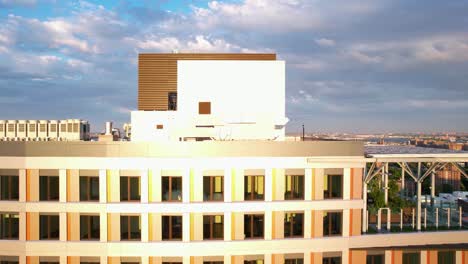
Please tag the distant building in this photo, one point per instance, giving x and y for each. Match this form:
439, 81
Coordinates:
44, 130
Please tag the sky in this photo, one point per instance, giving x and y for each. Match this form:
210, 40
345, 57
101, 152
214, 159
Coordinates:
354, 66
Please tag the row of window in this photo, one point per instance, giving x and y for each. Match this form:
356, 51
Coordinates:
443, 257
213, 188
171, 226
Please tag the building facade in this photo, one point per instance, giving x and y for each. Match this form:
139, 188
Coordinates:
44, 130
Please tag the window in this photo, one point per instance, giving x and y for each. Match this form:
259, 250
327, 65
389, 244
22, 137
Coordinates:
9, 188
256, 261
21, 127
254, 188
332, 223
130, 228
49, 188
9, 260
213, 227
9, 226
159, 126
49, 227
294, 261
333, 186
213, 262
53, 127
172, 101
76, 128
11, 127
32, 128
411, 258
446, 257
294, 187
253, 226
89, 188
42, 127
63, 127
375, 259
293, 225
204, 108
129, 188
213, 188
69, 127
89, 227
331, 260
171, 189
172, 227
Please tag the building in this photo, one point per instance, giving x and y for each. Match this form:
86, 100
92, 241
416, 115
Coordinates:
256, 199
210, 96
44, 130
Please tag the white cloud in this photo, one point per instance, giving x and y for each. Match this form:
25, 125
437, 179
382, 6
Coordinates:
325, 42
198, 43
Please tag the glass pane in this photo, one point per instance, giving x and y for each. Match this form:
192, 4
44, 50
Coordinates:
446, 257
259, 187
43, 188
54, 188
84, 227
135, 227
83, 188
4, 188
14, 188
206, 189
94, 188
206, 227
43, 227
297, 225
165, 188
95, 227
177, 227
124, 235
247, 226
54, 226
176, 189
123, 188
336, 186
135, 188
248, 188
165, 227
258, 226
299, 187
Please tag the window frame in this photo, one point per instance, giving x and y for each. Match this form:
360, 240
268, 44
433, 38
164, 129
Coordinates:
129, 227
255, 184
170, 228
90, 230
330, 223
441, 259
250, 218
10, 231
292, 224
48, 188
211, 194
88, 180
170, 190
48, 217
328, 193
129, 189
294, 180
211, 224
9, 195
406, 257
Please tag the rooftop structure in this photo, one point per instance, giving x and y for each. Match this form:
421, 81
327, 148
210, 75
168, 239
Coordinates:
44, 130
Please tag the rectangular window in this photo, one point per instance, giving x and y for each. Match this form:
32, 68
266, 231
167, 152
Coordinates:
294, 187
11, 127
9, 260
293, 225
213, 227
53, 127
411, 258
49, 188
333, 186
254, 188
130, 227
32, 127
332, 223
89, 188
171, 189
9, 226
256, 261
63, 127
43, 127
294, 261
76, 128
375, 259
253, 226
446, 257
204, 108
213, 188
171, 227
213, 262
172, 101
1, 128
331, 260
21, 127
9, 188
129, 188
49, 227
89, 227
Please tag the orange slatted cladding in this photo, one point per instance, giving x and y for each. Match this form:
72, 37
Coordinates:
157, 74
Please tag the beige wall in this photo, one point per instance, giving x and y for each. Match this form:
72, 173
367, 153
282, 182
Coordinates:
73, 260
356, 183
196, 226
355, 222
237, 226
73, 226
357, 256
317, 223
316, 258
32, 185
32, 226
154, 224
113, 186
73, 186
317, 183
113, 227
32, 260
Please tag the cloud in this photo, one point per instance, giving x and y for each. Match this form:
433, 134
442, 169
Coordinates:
325, 42
17, 3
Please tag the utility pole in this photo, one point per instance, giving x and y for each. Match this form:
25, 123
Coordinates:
303, 133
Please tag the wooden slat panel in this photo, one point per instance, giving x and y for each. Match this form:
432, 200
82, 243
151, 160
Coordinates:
157, 74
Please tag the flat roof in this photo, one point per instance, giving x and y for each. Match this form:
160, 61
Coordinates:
395, 153
183, 149
396, 149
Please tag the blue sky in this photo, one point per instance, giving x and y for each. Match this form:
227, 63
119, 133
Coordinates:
352, 66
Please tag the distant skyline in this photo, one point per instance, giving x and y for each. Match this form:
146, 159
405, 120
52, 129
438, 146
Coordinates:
364, 66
